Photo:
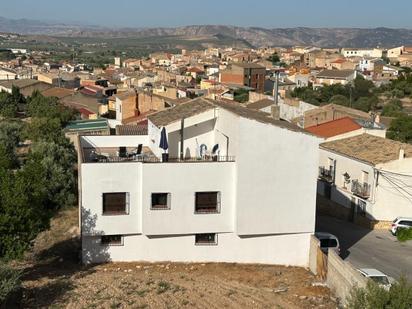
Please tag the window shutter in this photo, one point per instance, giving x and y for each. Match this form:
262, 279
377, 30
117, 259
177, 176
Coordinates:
128, 202
218, 201
169, 197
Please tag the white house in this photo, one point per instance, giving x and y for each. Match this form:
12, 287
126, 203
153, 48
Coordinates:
359, 52
235, 188
368, 175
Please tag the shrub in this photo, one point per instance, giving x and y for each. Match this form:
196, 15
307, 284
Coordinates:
9, 282
404, 234
373, 296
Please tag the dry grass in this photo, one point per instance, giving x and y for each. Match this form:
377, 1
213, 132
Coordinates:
55, 279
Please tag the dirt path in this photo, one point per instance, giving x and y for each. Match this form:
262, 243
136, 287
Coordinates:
55, 279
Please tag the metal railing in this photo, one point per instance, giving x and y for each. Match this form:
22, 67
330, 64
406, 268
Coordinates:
361, 189
326, 174
154, 159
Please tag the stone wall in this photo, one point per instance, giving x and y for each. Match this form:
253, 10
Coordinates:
342, 277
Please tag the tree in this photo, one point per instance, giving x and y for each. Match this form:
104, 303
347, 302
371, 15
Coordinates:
366, 104
399, 296
340, 100
274, 58
401, 129
393, 108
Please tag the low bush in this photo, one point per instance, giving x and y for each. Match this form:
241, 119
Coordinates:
9, 282
404, 234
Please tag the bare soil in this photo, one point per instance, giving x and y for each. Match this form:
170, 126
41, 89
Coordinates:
54, 278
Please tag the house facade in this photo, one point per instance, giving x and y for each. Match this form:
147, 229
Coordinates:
233, 189
369, 176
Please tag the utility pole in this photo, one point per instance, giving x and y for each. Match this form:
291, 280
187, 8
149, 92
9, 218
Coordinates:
276, 87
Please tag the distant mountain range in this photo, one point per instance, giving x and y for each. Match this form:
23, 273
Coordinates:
258, 37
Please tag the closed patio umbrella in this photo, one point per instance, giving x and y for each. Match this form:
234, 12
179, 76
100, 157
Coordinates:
163, 144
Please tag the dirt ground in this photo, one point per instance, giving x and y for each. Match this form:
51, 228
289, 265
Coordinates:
54, 278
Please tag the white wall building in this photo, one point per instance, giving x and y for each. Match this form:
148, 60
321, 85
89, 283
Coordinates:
357, 52
369, 175
251, 199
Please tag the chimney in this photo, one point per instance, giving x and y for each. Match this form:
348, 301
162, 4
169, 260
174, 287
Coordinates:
401, 154
275, 112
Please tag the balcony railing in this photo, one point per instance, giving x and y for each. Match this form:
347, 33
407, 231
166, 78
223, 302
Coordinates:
326, 174
361, 189
154, 159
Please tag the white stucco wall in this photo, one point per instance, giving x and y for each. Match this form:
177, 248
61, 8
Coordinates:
276, 186
275, 249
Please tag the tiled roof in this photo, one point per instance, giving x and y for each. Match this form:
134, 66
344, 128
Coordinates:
57, 92
368, 148
260, 104
338, 74
88, 125
131, 130
334, 127
248, 65
184, 110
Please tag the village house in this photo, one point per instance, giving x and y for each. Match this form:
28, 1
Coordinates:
369, 176
332, 77
189, 199
244, 74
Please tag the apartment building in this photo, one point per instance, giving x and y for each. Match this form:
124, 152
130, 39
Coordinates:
332, 77
359, 52
245, 74
369, 176
233, 187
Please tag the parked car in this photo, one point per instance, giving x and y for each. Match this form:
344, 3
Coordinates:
401, 222
328, 241
377, 276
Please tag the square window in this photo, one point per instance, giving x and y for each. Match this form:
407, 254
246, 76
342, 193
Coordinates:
115, 203
111, 240
207, 202
160, 201
206, 239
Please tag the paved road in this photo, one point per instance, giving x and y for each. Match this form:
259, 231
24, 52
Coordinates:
366, 248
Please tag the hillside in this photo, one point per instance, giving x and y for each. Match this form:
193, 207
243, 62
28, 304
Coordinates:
254, 36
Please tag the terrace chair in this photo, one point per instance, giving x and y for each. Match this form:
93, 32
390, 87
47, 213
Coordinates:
122, 153
137, 153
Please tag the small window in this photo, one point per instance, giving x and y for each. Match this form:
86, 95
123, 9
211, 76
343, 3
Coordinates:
115, 203
160, 201
206, 239
111, 240
207, 202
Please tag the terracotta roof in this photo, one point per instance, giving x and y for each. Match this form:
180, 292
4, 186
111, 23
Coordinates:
260, 104
368, 148
248, 65
57, 92
334, 127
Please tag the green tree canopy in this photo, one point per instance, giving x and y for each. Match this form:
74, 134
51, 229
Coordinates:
401, 129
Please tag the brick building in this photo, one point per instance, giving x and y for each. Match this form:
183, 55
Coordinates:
245, 74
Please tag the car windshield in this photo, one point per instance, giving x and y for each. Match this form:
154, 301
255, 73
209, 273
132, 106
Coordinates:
380, 280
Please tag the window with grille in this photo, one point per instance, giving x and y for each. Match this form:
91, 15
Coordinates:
111, 240
206, 239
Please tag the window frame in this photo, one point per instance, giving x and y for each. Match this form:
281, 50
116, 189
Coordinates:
168, 201
127, 205
214, 243
112, 244
218, 203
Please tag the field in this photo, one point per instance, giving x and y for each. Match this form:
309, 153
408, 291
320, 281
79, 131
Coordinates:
55, 279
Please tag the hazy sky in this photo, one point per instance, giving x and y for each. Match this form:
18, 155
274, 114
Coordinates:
261, 13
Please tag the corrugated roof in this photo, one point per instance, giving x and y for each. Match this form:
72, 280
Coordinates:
334, 127
368, 148
86, 125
